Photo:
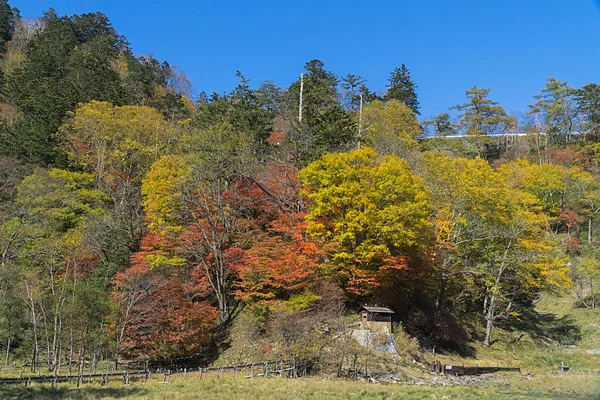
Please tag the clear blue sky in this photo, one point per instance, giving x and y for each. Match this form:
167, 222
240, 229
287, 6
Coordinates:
511, 46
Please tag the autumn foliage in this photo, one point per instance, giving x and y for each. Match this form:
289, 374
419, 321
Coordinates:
137, 224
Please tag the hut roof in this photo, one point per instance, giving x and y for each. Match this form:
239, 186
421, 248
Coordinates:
380, 310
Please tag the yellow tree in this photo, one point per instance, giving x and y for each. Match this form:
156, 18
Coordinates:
491, 238
566, 195
464, 192
370, 215
547, 182
118, 145
115, 143
390, 128
161, 189
516, 259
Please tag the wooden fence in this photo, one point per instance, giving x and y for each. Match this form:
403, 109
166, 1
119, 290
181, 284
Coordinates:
290, 369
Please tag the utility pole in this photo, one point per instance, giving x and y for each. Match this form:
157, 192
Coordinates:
360, 120
301, 92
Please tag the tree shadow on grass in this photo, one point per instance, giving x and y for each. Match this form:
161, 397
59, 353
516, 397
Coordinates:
544, 328
451, 337
20, 392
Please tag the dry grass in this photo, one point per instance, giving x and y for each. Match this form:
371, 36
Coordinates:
229, 388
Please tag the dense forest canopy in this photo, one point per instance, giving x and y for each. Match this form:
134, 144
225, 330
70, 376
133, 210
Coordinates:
138, 222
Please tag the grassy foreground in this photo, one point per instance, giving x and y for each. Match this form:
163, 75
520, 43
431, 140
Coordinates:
541, 387
541, 360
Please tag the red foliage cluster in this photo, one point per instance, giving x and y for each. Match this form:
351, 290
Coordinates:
249, 245
569, 218
572, 245
165, 311
280, 262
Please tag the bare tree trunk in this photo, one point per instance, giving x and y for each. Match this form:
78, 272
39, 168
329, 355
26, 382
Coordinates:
94, 361
120, 333
493, 298
58, 356
489, 320
116, 355
72, 320
56, 344
71, 353
35, 355
80, 369
47, 337
593, 294
8, 342
580, 293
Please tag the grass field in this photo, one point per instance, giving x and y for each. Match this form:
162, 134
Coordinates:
538, 360
542, 387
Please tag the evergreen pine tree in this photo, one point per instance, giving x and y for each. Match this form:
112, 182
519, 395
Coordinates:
8, 17
402, 88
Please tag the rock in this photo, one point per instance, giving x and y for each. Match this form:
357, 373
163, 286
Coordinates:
379, 342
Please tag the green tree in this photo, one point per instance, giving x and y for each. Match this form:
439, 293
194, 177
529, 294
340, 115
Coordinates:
440, 126
319, 92
118, 145
464, 193
141, 76
559, 191
401, 87
8, 19
588, 107
556, 105
69, 61
586, 275
57, 274
351, 85
478, 119
326, 126
516, 260
242, 109
481, 116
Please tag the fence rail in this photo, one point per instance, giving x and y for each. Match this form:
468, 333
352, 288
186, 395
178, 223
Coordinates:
292, 369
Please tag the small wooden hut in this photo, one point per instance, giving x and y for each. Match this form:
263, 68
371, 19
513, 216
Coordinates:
376, 319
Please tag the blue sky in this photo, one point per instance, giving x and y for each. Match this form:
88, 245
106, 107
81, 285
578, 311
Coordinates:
510, 46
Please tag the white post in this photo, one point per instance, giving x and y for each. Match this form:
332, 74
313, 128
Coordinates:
301, 92
360, 120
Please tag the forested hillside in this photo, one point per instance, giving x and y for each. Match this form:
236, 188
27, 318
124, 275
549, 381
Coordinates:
139, 222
